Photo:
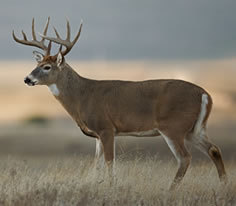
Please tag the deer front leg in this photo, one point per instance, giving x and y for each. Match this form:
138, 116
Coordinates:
99, 158
107, 139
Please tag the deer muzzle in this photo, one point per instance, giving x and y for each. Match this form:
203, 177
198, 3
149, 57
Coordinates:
30, 80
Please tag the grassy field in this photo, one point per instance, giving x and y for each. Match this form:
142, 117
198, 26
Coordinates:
73, 181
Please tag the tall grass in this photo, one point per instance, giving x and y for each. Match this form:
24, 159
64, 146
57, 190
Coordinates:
74, 181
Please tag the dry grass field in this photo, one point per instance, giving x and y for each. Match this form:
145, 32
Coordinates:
73, 181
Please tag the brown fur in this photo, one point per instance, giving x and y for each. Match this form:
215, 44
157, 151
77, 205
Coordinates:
49, 59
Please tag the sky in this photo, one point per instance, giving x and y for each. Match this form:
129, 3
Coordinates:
127, 29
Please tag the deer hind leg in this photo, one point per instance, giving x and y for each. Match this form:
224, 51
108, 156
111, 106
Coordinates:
181, 154
202, 142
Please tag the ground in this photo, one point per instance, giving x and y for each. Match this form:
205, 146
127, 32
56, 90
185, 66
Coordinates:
72, 180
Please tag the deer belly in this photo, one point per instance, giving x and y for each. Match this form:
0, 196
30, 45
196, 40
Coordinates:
146, 133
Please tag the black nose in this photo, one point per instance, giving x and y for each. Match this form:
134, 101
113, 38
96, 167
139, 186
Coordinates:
27, 80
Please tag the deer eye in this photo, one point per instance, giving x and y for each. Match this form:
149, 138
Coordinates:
47, 67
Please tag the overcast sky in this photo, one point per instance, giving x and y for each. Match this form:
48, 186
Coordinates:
127, 29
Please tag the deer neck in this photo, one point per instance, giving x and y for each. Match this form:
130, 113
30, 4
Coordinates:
69, 90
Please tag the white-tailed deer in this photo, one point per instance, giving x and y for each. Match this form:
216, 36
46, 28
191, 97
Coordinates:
175, 109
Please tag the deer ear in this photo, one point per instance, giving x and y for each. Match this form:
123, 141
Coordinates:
60, 59
38, 56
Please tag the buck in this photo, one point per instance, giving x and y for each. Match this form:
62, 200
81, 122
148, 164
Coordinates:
174, 109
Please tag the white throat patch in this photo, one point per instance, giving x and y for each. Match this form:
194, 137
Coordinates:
53, 88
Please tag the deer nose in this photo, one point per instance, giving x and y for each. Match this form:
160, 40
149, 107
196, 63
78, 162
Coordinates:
27, 80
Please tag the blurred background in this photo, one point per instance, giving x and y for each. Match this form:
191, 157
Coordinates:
128, 40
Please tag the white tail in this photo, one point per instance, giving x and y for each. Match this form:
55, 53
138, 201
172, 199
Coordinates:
175, 109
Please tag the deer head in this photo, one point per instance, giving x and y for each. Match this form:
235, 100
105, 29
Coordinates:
49, 66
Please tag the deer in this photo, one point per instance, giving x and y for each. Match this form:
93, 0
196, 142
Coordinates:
175, 109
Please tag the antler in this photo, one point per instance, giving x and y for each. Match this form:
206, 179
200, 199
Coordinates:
67, 42
35, 42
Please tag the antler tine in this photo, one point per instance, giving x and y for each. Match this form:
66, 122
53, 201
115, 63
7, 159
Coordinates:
33, 31
56, 32
46, 26
15, 38
78, 34
49, 48
24, 35
68, 30
43, 39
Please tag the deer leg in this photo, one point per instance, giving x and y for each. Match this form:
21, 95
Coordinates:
99, 159
107, 139
215, 154
202, 142
181, 154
